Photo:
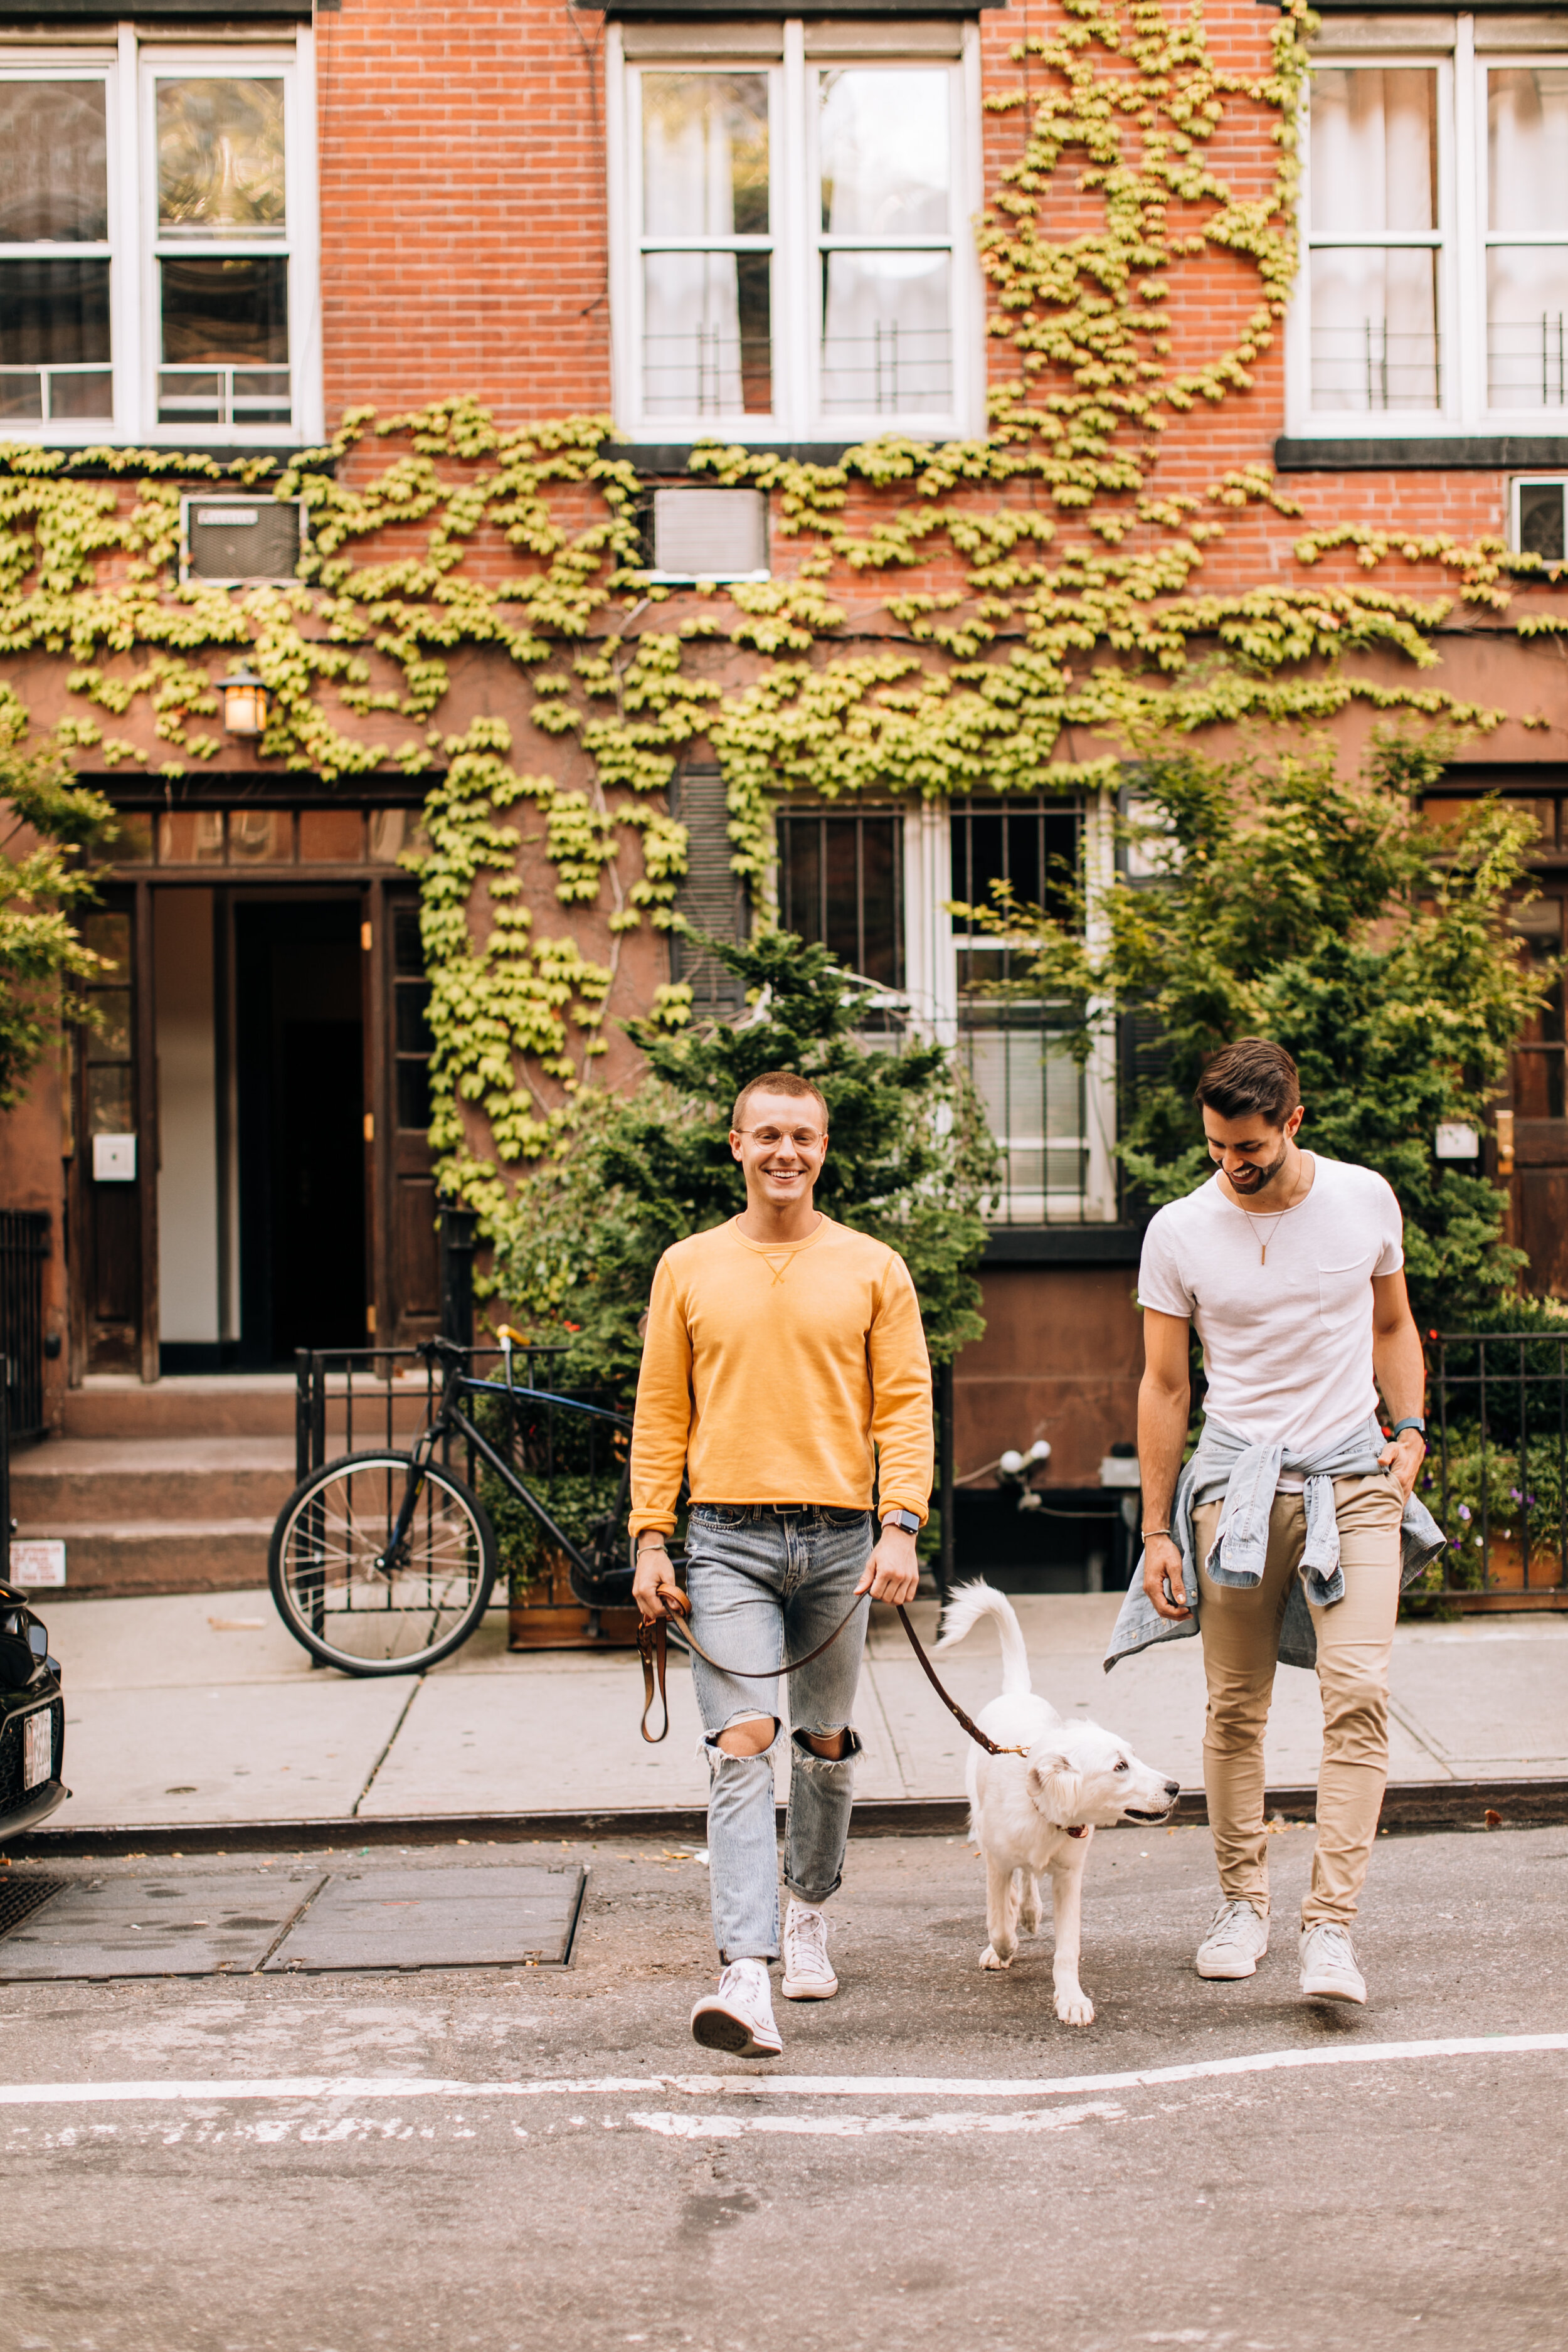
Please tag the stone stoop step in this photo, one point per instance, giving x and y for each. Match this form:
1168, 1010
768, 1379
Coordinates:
174, 1486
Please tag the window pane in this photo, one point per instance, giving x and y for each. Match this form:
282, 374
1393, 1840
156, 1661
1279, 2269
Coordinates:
413, 1096
220, 158
260, 837
109, 1101
843, 894
1374, 328
413, 1026
1527, 147
1527, 296
54, 162
1374, 148
1541, 534
228, 312
109, 937
879, 957
705, 155
408, 947
330, 836
885, 153
110, 1041
190, 837
800, 845
53, 313
887, 343
706, 333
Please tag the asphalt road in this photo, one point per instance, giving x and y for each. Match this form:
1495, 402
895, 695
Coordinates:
573, 2186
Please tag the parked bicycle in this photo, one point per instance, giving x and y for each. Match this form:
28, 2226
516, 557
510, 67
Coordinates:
383, 1563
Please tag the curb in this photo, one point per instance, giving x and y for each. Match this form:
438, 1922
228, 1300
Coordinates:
1409, 1808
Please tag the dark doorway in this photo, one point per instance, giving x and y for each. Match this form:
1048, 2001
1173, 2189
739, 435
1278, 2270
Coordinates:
300, 1040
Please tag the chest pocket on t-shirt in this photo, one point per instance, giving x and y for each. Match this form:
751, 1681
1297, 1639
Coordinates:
1343, 1291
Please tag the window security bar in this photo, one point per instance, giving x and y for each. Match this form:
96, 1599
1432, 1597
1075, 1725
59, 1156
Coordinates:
1374, 366
224, 395
705, 371
1523, 354
83, 388
890, 370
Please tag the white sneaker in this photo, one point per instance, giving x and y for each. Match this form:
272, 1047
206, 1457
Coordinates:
739, 2017
807, 1970
1236, 1940
1328, 1971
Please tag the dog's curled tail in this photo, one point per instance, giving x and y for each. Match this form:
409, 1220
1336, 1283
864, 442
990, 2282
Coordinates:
969, 1603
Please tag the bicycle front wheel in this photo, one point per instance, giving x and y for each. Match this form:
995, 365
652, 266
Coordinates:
357, 1594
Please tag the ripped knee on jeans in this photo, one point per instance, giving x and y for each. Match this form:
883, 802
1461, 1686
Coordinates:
826, 1747
744, 1735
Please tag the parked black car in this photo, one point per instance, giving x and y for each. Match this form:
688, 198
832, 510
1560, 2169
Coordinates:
32, 1719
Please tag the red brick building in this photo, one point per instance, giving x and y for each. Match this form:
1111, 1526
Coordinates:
223, 226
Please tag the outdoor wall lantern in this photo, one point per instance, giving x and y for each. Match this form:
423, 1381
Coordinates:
244, 702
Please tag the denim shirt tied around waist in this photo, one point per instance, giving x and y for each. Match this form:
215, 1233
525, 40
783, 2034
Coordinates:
1247, 1475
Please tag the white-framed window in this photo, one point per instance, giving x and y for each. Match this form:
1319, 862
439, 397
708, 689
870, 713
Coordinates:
159, 242
1433, 287
792, 249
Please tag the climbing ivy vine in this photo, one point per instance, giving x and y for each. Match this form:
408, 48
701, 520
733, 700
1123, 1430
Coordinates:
1040, 579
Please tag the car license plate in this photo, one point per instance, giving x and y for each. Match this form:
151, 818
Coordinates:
38, 1747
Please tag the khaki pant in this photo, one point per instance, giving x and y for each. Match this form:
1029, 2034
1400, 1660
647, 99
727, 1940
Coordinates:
1240, 1630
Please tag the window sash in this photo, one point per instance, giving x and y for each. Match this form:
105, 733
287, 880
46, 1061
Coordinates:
236, 397
800, 402
1500, 295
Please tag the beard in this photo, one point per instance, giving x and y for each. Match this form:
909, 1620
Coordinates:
1254, 1181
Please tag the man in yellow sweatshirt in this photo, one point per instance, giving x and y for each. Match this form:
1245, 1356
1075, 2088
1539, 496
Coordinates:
785, 1372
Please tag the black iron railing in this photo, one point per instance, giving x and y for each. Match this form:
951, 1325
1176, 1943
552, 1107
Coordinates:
23, 1253
1497, 1476
347, 1400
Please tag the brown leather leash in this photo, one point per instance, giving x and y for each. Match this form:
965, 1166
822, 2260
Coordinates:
652, 1642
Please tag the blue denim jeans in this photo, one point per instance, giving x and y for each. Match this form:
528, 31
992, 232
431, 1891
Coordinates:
767, 1586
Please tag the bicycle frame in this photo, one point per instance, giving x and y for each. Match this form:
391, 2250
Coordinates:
592, 1585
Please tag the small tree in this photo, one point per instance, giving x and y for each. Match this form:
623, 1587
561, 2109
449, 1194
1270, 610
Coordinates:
1329, 915
910, 1161
40, 883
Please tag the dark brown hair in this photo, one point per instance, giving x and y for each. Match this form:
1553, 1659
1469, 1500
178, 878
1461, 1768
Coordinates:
1253, 1077
777, 1082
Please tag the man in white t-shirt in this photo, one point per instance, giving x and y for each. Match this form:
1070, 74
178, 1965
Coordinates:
1289, 1267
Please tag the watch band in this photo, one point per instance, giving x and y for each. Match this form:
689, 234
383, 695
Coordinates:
1410, 1421
905, 1519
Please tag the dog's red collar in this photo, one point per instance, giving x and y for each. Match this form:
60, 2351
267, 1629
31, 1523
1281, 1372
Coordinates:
1081, 1831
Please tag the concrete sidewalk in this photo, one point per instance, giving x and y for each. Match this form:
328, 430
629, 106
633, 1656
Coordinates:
200, 1709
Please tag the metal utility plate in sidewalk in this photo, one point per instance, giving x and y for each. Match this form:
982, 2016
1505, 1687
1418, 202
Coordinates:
474, 1917
221, 1923
232, 1923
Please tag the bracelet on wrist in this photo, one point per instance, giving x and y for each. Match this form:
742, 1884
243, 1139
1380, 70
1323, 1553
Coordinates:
1149, 1534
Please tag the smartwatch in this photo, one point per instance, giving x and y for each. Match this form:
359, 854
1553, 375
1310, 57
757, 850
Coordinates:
905, 1519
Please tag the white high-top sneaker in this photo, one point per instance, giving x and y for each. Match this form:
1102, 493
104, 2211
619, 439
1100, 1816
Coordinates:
739, 2017
807, 1970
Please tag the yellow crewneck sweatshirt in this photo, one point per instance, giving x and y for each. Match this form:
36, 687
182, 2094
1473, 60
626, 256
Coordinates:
770, 1373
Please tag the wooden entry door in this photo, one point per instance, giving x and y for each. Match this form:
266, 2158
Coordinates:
113, 1240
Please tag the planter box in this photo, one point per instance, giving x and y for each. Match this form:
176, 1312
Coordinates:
545, 1615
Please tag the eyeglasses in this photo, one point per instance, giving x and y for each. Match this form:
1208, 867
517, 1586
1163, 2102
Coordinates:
804, 1139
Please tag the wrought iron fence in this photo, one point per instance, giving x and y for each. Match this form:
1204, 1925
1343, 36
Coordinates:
348, 1401
1497, 1476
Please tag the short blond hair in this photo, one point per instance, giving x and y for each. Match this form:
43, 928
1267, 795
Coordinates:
778, 1082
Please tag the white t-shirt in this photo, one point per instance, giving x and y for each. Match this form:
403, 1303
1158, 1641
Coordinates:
1287, 1343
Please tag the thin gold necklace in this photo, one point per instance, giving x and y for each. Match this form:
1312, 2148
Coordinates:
1265, 1239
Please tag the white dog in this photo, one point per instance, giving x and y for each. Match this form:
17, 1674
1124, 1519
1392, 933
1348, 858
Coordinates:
1039, 1811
